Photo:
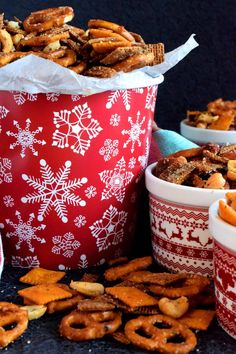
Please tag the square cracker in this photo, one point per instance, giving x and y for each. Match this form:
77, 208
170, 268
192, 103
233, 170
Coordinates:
131, 296
42, 276
198, 319
144, 276
44, 293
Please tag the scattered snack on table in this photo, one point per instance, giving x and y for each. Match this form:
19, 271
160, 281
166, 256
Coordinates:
87, 288
132, 304
34, 311
42, 276
11, 314
220, 115
44, 293
208, 166
227, 210
102, 50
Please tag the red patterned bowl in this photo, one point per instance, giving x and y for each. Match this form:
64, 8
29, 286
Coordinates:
70, 171
179, 224
224, 256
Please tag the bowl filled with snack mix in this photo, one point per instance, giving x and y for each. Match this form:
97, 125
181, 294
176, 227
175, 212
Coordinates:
222, 226
217, 124
181, 188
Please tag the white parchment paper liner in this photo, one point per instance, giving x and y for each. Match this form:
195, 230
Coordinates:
33, 74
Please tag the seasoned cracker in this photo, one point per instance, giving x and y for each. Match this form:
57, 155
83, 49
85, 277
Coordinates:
44, 293
42, 276
198, 319
120, 337
115, 273
131, 296
154, 278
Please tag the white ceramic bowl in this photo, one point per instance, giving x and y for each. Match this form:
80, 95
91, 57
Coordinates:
203, 136
179, 224
224, 256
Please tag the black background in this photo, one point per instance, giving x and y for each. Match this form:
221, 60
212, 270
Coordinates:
207, 73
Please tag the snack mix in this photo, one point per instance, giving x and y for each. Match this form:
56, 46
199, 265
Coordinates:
208, 166
227, 210
220, 115
128, 302
101, 50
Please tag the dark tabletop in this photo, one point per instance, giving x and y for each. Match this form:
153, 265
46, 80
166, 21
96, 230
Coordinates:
42, 335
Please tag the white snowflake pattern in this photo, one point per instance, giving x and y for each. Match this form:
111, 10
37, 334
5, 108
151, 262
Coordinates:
83, 262
132, 162
63, 267
75, 130
115, 120
116, 181
3, 112
134, 132
110, 149
114, 97
25, 231
8, 201
190, 252
26, 262
144, 158
109, 230
21, 97
5, 167
138, 90
65, 245
151, 98
75, 97
179, 250
52, 96
90, 192
25, 138
80, 221
204, 254
54, 190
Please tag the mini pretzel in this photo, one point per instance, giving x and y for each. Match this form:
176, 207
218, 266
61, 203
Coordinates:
134, 62
102, 32
69, 58
95, 325
43, 39
6, 41
10, 314
6, 58
40, 21
121, 53
156, 338
112, 26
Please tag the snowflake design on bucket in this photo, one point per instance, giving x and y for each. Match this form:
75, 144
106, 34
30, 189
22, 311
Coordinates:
21, 97
83, 262
26, 262
80, 221
75, 129
135, 132
54, 190
24, 231
179, 250
115, 120
110, 149
65, 245
75, 97
132, 162
151, 98
5, 167
116, 95
190, 252
116, 181
8, 201
90, 192
109, 230
52, 96
25, 138
3, 113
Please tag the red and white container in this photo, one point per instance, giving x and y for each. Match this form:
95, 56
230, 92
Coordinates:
224, 256
70, 170
180, 237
